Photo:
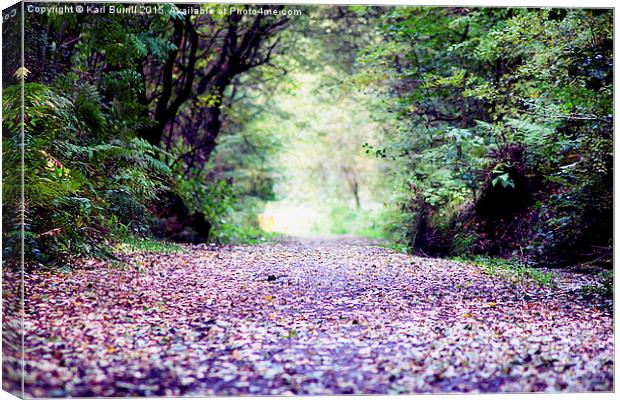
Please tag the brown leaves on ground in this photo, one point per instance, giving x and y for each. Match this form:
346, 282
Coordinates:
284, 319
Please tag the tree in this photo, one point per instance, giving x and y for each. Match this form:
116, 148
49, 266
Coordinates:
209, 52
502, 110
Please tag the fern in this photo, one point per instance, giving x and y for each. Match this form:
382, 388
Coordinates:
88, 107
81, 183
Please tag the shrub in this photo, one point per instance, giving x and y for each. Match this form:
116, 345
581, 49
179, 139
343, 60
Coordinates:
79, 185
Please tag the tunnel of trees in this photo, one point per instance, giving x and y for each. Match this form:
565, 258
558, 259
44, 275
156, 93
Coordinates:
446, 131
284, 200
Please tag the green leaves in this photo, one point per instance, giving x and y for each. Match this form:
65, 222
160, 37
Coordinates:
456, 79
504, 180
469, 86
78, 177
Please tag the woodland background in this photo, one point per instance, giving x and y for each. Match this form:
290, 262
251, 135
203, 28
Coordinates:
467, 132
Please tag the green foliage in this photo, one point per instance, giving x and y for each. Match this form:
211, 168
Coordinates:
239, 178
509, 269
243, 233
133, 243
78, 189
88, 107
458, 130
460, 89
399, 248
604, 286
232, 221
215, 199
380, 224
463, 243
102, 77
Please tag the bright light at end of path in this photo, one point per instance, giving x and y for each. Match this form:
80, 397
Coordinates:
289, 220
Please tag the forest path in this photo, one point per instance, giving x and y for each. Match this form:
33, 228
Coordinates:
302, 318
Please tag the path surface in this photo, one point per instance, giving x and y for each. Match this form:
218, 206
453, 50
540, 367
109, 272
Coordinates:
305, 318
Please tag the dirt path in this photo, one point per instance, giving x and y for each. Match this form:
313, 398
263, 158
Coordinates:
305, 318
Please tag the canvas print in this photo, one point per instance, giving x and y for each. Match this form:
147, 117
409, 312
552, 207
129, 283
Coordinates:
250, 199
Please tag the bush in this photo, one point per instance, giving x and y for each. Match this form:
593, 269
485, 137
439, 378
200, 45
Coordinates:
80, 186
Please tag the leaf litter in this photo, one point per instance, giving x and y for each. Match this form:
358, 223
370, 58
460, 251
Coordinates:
293, 318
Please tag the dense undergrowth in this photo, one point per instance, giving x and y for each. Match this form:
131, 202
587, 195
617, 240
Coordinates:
100, 171
500, 122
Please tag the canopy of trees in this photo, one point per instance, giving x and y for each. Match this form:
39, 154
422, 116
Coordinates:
452, 131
